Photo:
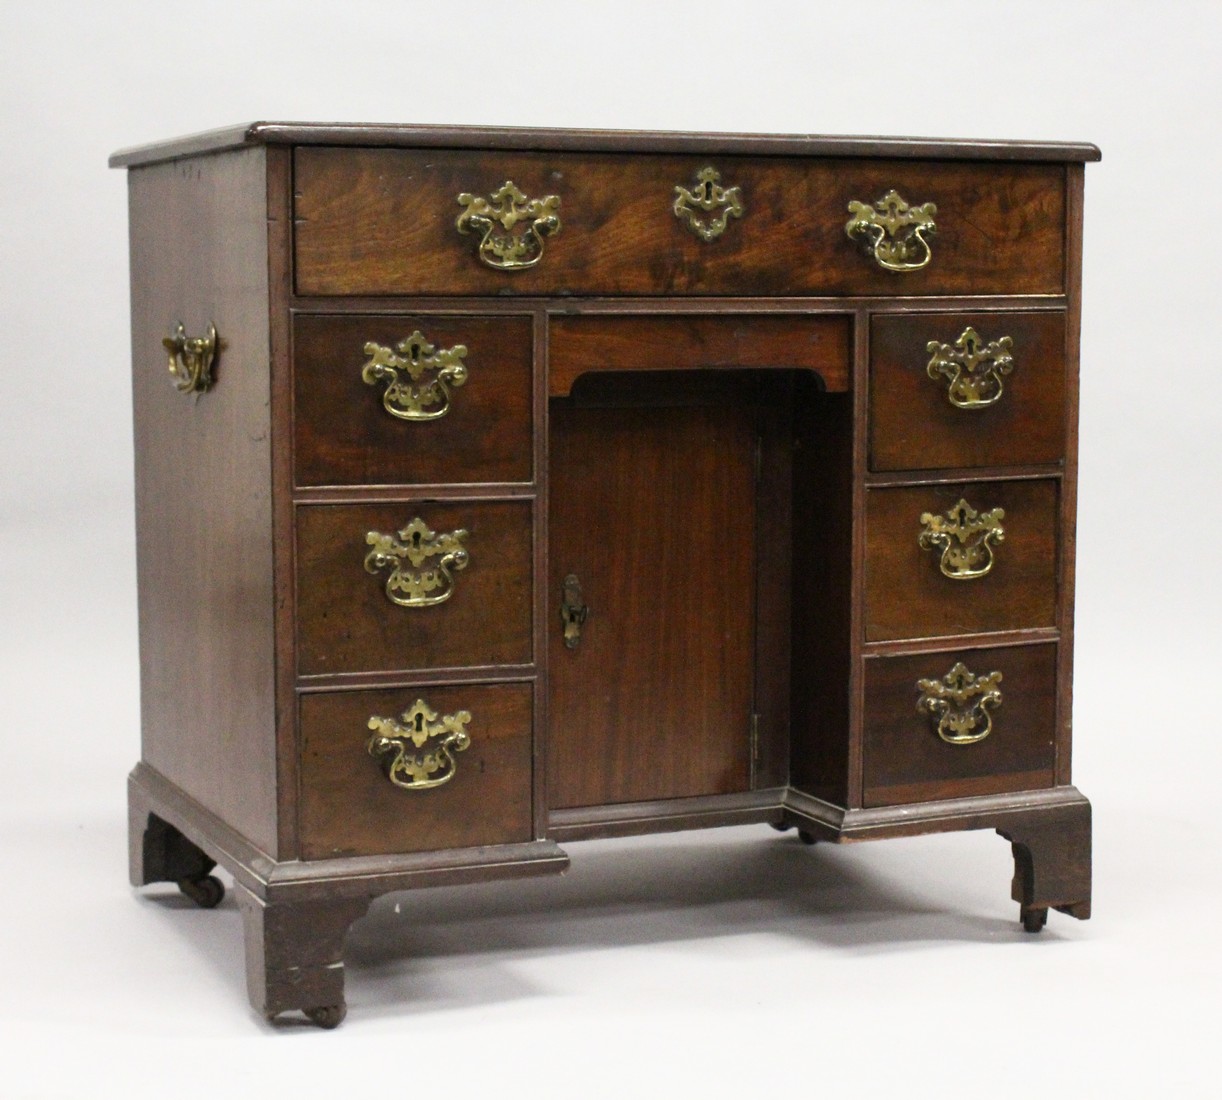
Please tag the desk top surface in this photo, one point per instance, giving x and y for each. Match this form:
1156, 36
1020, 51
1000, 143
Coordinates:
611, 141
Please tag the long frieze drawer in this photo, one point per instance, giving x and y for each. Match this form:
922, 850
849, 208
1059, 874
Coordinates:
413, 586
967, 389
414, 769
951, 725
410, 399
960, 559
446, 222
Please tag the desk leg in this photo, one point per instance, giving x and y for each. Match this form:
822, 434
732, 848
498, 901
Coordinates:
1051, 864
294, 955
158, 852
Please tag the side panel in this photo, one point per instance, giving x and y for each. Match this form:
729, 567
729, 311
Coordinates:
203, 487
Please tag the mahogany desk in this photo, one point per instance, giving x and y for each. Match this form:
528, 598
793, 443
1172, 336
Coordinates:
509, 488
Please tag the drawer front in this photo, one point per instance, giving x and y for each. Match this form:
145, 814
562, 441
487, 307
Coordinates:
580, 346
409, 399
468, 783
907, 759
934, 569
940, 399
466, 612
383, 221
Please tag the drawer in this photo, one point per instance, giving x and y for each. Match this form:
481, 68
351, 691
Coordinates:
361, 418
383, 221
906, 759
462, 614
1014, 415
579, 346
929, 579
462, 797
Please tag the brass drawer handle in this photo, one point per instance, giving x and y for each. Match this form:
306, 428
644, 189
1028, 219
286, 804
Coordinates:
708, 195
965, 537
894, 231
973, 369
397, 745
191, 358
410, 584
406, 396
962, 703
512, 225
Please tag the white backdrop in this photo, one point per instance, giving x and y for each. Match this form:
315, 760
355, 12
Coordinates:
714, 963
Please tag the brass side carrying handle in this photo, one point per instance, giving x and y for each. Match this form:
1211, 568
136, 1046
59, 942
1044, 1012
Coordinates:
973, 369
191, 358
417, 377
412, 581
893, 231
966, 539
706, 196
511, 225
961, 704
397, 745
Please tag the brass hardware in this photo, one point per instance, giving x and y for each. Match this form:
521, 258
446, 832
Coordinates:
965, 537
405, 395
573, 611
894, 231
972, 368
962, 703
416, 771
501, 247
191, 358
415, 545
708, 195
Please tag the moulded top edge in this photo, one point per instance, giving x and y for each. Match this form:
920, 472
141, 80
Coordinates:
520, 138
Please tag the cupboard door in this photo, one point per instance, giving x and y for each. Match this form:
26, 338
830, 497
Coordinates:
653, 513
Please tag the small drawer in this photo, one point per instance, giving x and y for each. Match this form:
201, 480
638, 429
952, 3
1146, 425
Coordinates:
373, 791
452, 587
411, 400
952, 725
582, 346
967, 389
933, 568
609, 224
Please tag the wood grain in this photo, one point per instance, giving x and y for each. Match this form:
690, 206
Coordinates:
1001, 229
822, 593
346, 623
906, 761
653, 510
423, 135
204, 554
913, 425
582, 345
907, 596
344, 435
350, 808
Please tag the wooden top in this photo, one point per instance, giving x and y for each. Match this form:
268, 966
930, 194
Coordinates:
497, 137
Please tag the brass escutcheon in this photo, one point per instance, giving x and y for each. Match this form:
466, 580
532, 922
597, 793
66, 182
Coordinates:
405, 395
573, 611
965, 537
708, 195
501, 246
962, 703
409, 583
972, 368
191, 358
396, 745
894, 231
